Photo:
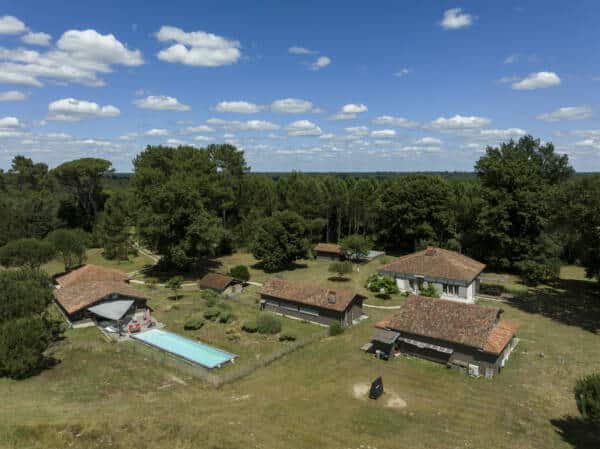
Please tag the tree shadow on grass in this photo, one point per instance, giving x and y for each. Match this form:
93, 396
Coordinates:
164, 273
339, 279
577, 432
290, 267
572, 302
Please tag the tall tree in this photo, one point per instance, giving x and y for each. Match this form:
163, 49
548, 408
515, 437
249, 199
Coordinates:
31, 253
174, 190
518, 179
415, 209
280, 240
81, 179
70, 246
113, 226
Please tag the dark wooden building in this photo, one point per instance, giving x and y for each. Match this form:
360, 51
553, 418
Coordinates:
79, 290
220, 283
465, 336
311, 303
329, 251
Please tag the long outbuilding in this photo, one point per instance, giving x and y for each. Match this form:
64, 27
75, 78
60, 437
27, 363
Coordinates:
470, 337
313, 303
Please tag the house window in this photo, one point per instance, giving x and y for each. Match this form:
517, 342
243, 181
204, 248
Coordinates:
411, 283
451, 289
309, 311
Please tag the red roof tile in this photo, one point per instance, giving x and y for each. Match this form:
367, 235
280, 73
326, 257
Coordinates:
467, 324
312, 295
436, 263
332, 248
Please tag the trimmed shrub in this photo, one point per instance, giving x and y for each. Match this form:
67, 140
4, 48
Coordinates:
240, 272
250, 326
194, 322
211, 313
267, 323
287, 336
383, 285
336, 329
430, 291
209, 295
587, 396
225, 316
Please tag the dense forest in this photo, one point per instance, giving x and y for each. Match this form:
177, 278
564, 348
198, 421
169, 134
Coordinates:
523, 210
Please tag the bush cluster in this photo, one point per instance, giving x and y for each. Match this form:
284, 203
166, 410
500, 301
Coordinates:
250, 326
194, 322
267, 323
287, 336
336, 329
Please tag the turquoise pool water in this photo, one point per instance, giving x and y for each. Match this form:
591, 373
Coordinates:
191, 350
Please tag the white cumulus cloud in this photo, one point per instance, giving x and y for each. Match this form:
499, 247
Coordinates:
295, 50
291, 106
9, 122
538, 80
79, 57
357, 130
157, 132
240, 107
250, 125
455, 18
503, 133
161, 103
11, 25
12, 95
459, 122
197, 48
383, 133
321, 62
432, 141
72, 110
303, 128
41, 39
567, 113
399, 122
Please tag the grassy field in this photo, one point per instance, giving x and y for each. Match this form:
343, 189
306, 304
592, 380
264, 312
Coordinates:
101, 395
94, 256
249, 348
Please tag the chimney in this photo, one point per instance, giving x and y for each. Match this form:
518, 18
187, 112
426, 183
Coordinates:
430, 251
331, 297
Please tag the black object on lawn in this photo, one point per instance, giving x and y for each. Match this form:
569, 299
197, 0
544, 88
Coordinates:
376, 388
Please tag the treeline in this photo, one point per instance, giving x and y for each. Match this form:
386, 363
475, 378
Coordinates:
524, 210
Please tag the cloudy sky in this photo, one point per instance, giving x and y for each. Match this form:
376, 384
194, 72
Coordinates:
315, 86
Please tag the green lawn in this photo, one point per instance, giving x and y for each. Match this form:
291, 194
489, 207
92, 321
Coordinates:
249, 348
94, 256
101, 395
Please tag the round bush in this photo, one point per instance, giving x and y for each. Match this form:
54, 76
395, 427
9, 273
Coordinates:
287, 336
209, 295
240, 272
587, 396
211, 313
250, 326
225, 316
335, 329
193, 323
268, 324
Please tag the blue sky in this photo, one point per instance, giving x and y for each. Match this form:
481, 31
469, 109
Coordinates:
313, 86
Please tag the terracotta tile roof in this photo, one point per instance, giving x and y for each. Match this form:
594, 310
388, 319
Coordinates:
328, 248
467, 324
76, 297
500, 336
311, 295
215, 281
436, 263
90, 273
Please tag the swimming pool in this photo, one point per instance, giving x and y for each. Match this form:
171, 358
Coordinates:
185, 348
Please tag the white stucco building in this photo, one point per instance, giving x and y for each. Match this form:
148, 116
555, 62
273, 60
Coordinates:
454, 275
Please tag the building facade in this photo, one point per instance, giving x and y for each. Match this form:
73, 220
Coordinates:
454, 275
311, 303
468, 337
